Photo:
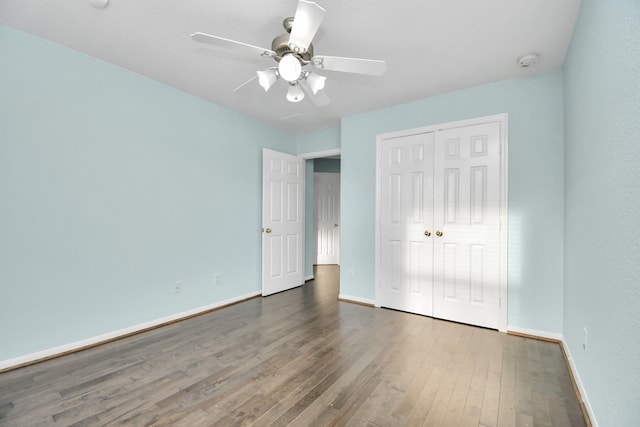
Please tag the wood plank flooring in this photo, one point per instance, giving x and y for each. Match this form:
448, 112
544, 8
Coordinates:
300, 358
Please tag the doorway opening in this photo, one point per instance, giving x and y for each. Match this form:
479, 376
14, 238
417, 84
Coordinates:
322, 210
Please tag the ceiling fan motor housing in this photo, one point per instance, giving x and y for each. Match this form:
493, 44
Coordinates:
280, 45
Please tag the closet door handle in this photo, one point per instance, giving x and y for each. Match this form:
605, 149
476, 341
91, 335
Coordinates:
439, 233
427, 233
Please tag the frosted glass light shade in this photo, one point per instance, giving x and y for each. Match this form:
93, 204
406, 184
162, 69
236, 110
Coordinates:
267, 78
295, 93
289, 68
316, 82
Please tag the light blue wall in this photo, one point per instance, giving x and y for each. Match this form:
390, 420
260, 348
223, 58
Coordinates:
327, 139
112, 188
602, 252
536, 188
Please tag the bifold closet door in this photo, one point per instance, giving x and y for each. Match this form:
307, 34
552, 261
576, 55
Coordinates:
406, 218
439, 231
467, 222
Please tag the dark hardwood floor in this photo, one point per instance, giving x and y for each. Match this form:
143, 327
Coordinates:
300, 358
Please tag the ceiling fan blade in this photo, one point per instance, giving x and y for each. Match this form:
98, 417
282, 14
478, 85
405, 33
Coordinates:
232, 44
305, 25
245, 83
320, 99
371, 67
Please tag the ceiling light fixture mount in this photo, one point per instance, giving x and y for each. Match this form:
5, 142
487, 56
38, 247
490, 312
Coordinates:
528, 60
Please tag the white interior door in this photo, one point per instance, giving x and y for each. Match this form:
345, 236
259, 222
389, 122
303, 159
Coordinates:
327, 202
406, 220
467, 214
440, 202
282, 221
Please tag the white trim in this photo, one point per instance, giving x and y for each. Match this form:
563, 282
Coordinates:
320, 154
574, 370
347, 298
309, 156
443, 126
44, 354
307, 278
503, 119
504, 219
581, 389
377, 226
536, 333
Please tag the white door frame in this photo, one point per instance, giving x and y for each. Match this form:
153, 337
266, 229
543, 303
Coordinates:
317, 155
321, 154
504, 202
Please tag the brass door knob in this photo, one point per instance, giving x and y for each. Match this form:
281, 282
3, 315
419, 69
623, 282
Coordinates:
427, 233
267, 230
335, 225
439, 233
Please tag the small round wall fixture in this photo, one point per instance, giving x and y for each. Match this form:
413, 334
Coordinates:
528, 60
100, 4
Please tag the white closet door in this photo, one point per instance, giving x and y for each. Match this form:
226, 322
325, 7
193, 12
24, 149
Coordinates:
467, 212
406, 179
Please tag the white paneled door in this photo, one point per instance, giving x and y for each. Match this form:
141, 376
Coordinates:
439, 213
282, 221
327, 202
406, 223
466, 202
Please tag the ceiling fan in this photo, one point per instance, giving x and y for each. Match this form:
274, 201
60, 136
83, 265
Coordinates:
293, 51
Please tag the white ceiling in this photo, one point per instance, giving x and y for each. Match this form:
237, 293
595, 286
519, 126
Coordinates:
431, 46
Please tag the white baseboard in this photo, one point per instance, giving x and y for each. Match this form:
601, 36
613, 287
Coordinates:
581, 389
536, 333
572, 367
349, 298
307, 278
78, 345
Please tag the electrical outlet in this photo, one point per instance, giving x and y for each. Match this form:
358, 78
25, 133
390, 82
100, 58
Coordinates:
216, 279
585, 339
178, 288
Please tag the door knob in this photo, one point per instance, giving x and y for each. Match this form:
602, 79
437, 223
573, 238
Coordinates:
427, 233
335, 225
267, 230
439, 233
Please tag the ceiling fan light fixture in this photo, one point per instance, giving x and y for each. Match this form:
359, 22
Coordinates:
316, 82
295, 93
289, 68
267, 78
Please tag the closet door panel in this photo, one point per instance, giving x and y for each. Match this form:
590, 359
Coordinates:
466, 212
406, 212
